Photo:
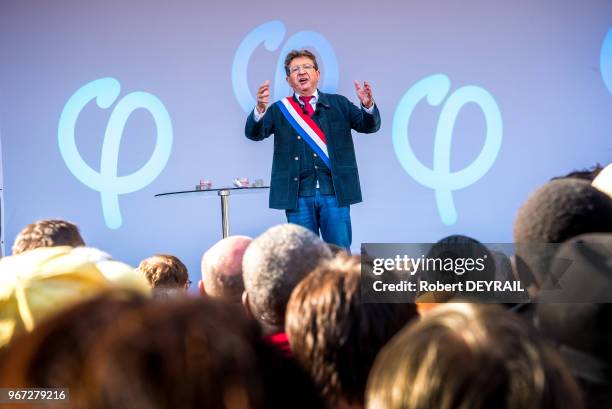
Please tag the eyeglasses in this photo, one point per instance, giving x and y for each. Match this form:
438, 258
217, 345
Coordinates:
305, 67
188, 284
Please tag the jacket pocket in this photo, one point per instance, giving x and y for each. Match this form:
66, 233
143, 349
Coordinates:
279, 186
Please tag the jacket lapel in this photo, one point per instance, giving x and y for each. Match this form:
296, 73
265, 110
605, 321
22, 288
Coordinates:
321, 117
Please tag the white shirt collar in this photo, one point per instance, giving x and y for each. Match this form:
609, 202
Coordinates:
312, 101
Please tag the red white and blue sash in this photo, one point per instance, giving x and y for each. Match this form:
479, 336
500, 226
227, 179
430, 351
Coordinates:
305, 127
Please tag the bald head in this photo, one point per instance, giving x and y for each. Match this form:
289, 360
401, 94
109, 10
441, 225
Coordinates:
222, 268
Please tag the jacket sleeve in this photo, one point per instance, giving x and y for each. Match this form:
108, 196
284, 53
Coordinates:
259, 130
363, 122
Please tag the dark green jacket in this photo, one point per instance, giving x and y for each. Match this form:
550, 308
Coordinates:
336, 116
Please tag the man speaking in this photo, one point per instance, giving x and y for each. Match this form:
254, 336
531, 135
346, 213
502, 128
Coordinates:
314, 170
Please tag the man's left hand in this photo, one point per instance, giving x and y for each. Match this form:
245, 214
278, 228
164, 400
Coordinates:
364, 94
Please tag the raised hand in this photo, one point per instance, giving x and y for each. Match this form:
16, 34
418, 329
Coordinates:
364, 94
263, 97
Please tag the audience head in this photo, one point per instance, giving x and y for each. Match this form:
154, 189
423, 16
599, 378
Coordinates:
458, 248
273, 264
554, 213
577, 316
581, 271
165, 273
582, 333
47, 233
334, 334
190, 353
44, 281
584, 174
222, 269
470, 356
560, 210
54, 354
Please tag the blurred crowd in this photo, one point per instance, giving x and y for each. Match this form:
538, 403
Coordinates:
280, 321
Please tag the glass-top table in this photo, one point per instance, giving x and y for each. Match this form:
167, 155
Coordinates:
224, 193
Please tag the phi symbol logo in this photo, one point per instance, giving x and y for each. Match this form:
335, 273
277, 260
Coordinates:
435, 88
271, 34
606, 60
106, 181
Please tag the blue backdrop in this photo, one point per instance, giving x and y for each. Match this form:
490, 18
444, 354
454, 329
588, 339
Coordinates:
104, 105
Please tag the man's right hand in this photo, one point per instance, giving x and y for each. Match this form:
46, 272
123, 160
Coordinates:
263, 97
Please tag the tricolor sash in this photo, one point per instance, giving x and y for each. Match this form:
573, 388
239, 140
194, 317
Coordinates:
305, 127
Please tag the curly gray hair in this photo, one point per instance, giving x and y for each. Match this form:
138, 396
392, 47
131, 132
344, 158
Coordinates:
273, 265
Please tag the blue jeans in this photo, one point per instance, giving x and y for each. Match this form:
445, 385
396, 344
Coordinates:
322, 213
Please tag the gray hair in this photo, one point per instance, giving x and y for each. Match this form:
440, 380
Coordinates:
275, 263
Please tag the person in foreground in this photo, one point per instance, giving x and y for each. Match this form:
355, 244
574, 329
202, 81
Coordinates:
272, 266
335, 334
470, 356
